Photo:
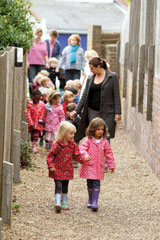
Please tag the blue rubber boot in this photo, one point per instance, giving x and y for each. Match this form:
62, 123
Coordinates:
41, 142
58, 202
64, 201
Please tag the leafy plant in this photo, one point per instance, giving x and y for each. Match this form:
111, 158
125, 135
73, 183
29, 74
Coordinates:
25, 155
15, 208
15, 25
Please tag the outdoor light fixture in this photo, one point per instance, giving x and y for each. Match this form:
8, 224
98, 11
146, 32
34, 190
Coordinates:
18, 57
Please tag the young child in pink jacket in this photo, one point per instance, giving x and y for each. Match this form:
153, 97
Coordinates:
53, 116
96, 147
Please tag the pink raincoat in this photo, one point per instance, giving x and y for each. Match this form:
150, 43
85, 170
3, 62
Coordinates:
94, 169
53, 116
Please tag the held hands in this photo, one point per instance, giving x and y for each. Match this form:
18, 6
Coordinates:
52, 169
87, 158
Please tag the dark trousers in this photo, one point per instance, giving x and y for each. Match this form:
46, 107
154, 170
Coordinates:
92, 183
32, 72
72, 74
34, 135
61, 186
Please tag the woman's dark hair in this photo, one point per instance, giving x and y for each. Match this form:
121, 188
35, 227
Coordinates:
36, 93
95, 61
93, 125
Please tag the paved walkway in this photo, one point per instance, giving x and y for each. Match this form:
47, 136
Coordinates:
129, 203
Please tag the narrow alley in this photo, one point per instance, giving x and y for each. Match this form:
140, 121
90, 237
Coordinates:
128, 204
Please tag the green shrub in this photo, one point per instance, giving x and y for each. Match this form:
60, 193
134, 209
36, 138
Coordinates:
25, 155
15, 25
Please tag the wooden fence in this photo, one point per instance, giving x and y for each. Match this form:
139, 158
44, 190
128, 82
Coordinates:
12, 106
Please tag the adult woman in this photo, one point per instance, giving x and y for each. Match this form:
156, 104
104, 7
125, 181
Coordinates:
100, 98
37, 56
72, 60
53, 45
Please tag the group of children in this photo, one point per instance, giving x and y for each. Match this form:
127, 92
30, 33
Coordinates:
49, 115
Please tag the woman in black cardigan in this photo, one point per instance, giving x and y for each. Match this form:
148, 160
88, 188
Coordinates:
101, 98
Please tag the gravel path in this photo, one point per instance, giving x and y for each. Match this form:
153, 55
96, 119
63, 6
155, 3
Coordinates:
129, 203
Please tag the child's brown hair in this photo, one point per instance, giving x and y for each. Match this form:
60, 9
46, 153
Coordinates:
93, 125
53, 96
70, 107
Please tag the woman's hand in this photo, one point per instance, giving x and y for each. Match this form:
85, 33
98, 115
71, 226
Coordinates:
117, 118
52, 169
57, 70
112, 170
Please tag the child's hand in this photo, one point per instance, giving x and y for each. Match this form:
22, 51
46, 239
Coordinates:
52, 169
87, 158
112, 170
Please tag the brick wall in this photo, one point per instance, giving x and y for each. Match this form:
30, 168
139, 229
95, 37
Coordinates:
144, 134
105, 44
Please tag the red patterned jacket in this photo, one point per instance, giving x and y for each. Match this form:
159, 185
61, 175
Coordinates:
34, 114
61, 158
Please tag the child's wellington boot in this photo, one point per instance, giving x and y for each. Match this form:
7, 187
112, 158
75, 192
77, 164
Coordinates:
50, 144
64, 201
58, 202
35, 148
95, 196
90, 198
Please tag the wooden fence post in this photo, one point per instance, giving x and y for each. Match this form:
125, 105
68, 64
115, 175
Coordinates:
7, 192
125, 71
141, 78
151, 60
135, 68
16, 146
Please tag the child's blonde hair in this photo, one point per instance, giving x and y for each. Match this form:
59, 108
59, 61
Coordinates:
47, 93
53, 60
43, 79
70, 84
44, 73
90, 54
78, 84
93, 125
63, 129
38, 77
76, 36
67, 94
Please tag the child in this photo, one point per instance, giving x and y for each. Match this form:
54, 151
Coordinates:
96, 146
53, 116
47, 93
68, 97
36, 84
74, 119
60, 163
34, 114
53, 63
78, 86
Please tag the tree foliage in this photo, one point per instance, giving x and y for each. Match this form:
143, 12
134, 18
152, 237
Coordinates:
15, 25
